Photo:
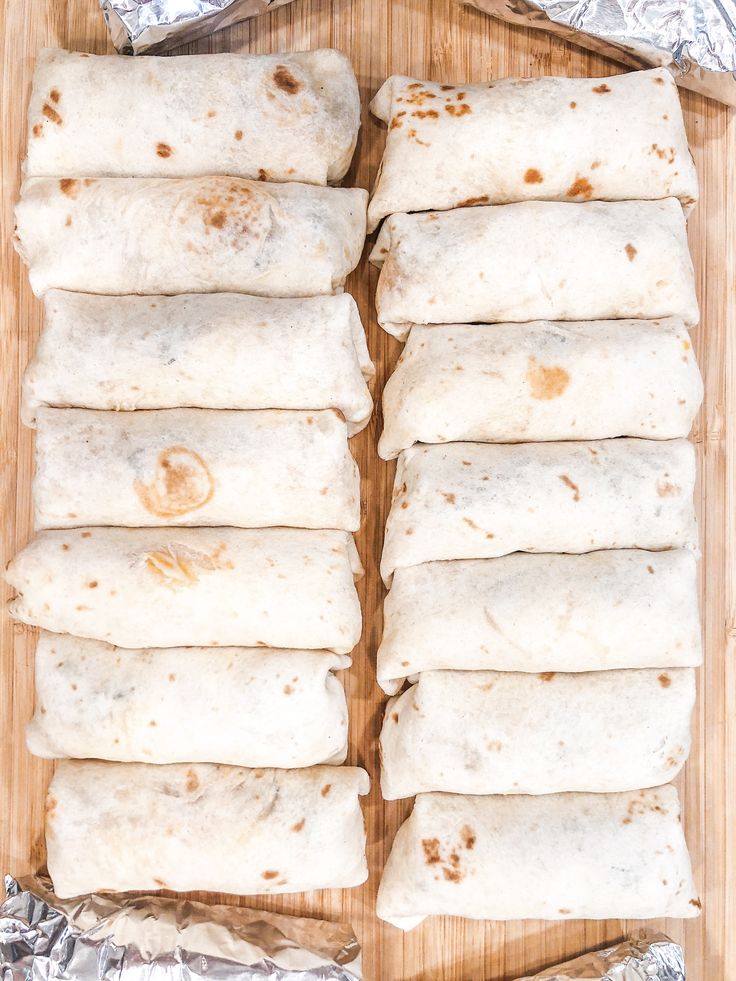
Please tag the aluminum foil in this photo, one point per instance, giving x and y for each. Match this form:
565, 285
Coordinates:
695, 39
651, 957
146, 26
122, 938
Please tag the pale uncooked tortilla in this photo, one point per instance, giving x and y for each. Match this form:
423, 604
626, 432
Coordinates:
526, 612
553, 139
536, 260
211, 350
498, 383
151, 235
244, 706
186, 587
132, 826
259, 469
503, 732
273, 117
482, 500
554, 857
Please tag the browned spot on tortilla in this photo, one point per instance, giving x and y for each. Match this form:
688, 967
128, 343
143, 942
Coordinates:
54, 95
563, 912
262, 175
414, 85
151, 723
93, 584
172, 677
409, 531
211, 113
431, 847
192, 781
238, 134
68, 221
65, 547
37, 129
395, 716
326, 789
533, 176
452, 875
664, 680
547, 675
666, 489
546, 382
686, 345
163, 150
580, 188
667, 154
601, 89
182, 483
650, 570
470, 523
446, 88
630, 251
51, 803
426, 114
69, 186
693, 902
595, 165
468, 837
160, 882
396, 121
51, 114
472, 202
299, 825
450, 498
572, 485
462, 110
573, 105
269, 874
288, 690
285, 80
418, 98
660, 81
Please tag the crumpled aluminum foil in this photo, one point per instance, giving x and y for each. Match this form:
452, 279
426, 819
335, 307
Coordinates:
146, 26
695, 39
122, 938
651, 957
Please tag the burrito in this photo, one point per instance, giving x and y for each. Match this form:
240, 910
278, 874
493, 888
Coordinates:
257, 469
274, 117
537, 260
125, 826
196, 235
555, 857
493, 732
96, 701
526, 612
479, 501
541, 381
192, 587
551, 139
214, 350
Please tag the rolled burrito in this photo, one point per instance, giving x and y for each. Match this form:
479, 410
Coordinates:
214, 350
125, 826
494, 732
541, 381
257, 469
250, 707
277, 117
196, 235
525, 612
192, 587
479, 501
552, 139
554, 857
537, 260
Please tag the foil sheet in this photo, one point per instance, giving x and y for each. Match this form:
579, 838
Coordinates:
124, 938
147, 26
695, 39
651, 957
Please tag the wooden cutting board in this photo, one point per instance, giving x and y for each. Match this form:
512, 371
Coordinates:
442, 41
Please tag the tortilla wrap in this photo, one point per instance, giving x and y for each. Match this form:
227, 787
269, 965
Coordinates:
212, 350
192, 587
125, 826
257, 469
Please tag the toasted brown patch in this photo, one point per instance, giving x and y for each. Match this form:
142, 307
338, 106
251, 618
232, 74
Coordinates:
462, 110
446, 88
93, 584
37, 129
468, 837
181, 483
666, 489
396, 121
664, 680
572, 485
299, 825
263, 174
601, 89
630, 251
68, 221
426, 114
172, 677
286, 81
431, 848
51, 114
650, 570
660, 81
472, 202
163, 150
693, 902
547, 675
326, 789
546, 382
580, 188
395, 716
450, 498
288, 690
269, 874
533, 176
69, 186
238, 134
573, 105
563, 912
212, 113
54, 95
160, 882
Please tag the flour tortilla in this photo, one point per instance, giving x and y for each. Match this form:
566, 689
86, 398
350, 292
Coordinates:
477, 501
258, 469
541, 381
192, 587
251, 707
277, 117
536, 260
526, 612
151, 235
494, 732
125, 826
554, 857
553, 139
213, 350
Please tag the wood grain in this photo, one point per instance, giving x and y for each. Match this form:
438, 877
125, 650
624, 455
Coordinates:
445, 42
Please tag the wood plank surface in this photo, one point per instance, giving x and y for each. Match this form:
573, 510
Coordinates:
443, 41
